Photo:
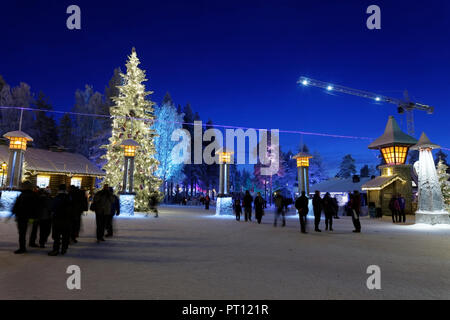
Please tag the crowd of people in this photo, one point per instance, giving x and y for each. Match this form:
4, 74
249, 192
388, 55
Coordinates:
328, 205
61, 215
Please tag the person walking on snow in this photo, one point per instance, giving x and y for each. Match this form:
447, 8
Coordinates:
24, 209
61, 214
279, 207
301, 204
237, 209
247, 203
102, 203
317, 208
328, 208
259, 207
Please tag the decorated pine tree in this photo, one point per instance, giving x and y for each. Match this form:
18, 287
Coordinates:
132, 118
445, 184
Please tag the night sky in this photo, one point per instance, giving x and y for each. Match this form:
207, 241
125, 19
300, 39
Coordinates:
237, 62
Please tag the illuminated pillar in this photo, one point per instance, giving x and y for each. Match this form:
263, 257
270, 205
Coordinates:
17, 147
127, 194
224, 203
303, 171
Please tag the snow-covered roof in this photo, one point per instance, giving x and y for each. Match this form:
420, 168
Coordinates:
392, 135
381, 182
41, 160
339, 185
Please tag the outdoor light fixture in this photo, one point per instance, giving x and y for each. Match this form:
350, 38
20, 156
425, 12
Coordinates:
4, 167
17, 147
303, 171
395, 154
377, 98
129, 147
329, 88
18, 140
225, 157
305, 82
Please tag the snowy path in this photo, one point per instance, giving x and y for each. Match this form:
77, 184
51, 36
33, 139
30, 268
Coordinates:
189, 254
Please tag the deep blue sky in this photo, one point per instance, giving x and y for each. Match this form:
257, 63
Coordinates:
237, 62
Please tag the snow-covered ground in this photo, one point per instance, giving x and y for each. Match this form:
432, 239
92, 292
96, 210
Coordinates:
187, 253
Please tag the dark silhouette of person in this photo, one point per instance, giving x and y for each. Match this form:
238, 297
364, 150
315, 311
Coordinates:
78, 204
25, 208
355, 205
394, 207
207, 201
259, 207
328, 209
402, 205
247, 203
317, 208
301, 204
279, 210
61, 221
115, 211
237, 209
102, 203
153, 202
44, 221
336, 207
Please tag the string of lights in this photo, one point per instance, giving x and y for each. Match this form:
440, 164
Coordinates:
193, 124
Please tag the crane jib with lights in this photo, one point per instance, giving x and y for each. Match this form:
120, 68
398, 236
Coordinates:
402, 105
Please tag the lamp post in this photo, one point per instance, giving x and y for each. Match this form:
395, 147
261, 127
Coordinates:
224, 204
4, 168
127, 194
431, 209
303, 171
17, 147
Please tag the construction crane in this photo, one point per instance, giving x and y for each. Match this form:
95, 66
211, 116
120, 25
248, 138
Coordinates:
403, 106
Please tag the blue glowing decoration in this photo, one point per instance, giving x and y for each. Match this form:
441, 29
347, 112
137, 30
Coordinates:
224, 206
7, 200
127, 204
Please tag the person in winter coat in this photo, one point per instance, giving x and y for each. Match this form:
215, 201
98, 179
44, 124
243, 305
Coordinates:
259, 207
237, 209
78, 204
402, 205
25, 208
44, 221
355, 205
61, 221
103, 200
115, 211
394, 207
247, 203
153, 203
207, 201
301, 204
328, 208
317, 208
279, 207
336, 207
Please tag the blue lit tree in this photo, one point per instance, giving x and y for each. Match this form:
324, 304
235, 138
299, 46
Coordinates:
168, 120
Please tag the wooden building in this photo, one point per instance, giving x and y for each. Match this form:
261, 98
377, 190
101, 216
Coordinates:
50, 168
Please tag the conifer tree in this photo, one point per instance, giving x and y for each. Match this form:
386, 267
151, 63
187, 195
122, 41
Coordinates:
132, 118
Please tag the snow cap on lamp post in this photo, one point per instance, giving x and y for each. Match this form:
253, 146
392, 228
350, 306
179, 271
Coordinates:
129, 147
394, 143
18, 140
17, 146
424, 143
303, 171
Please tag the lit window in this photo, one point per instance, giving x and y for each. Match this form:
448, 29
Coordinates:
75, 181
43, 181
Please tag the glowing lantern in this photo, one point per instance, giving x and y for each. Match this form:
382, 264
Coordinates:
395, 154
129, 147
18, 140
303, 171
225, 157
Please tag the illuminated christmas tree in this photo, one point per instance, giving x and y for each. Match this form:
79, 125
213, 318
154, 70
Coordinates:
132, 118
